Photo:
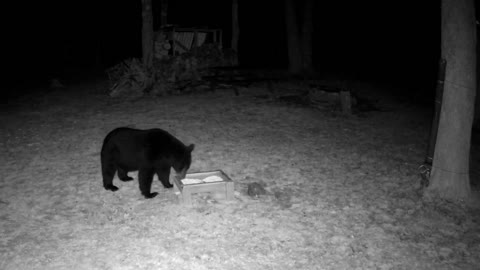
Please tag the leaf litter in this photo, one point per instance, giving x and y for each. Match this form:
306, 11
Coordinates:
341, 191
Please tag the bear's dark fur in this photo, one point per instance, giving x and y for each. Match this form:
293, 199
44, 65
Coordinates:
149, 152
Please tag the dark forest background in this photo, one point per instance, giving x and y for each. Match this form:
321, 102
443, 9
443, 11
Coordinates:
392, 41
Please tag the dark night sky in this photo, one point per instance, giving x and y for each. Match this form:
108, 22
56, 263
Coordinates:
387, 40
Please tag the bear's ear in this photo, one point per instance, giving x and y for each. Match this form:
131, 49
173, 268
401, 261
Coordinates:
190, 147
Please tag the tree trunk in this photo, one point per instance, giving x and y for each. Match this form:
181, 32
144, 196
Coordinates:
307, 34
293, 40
235, 31
476, 121
450, 171
147, 34
163, 12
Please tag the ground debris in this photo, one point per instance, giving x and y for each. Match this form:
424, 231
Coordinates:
340, 192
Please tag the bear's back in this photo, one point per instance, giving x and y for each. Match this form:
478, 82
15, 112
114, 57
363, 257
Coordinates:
151, 144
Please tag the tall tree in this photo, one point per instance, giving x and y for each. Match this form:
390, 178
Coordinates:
450, 171
307, 35
147, 34
293, 40
163, 12
476, 121
299, 43
235, 31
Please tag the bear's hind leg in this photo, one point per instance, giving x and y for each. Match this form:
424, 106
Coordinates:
164, 176
123, 175
108, 172
145, 178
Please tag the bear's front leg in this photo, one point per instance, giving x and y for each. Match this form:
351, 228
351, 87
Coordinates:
163, 174
145, 178
108, 171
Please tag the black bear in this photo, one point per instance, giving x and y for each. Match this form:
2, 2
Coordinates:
152, 151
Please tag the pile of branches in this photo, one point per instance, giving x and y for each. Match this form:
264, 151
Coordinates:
210, 55
170, 75
129, 78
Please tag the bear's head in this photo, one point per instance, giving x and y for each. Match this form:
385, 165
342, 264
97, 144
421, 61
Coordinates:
183, 162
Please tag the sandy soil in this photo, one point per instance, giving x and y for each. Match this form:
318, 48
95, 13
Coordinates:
342, 191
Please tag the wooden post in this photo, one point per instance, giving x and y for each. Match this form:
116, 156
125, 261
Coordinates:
195, 38
220, 40
173, 41
438, 106
346, 102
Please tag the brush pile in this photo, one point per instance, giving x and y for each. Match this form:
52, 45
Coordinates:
170, 75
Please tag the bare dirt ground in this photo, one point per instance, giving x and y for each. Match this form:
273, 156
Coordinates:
342, 191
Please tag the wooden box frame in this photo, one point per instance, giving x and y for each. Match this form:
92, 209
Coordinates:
221, 189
